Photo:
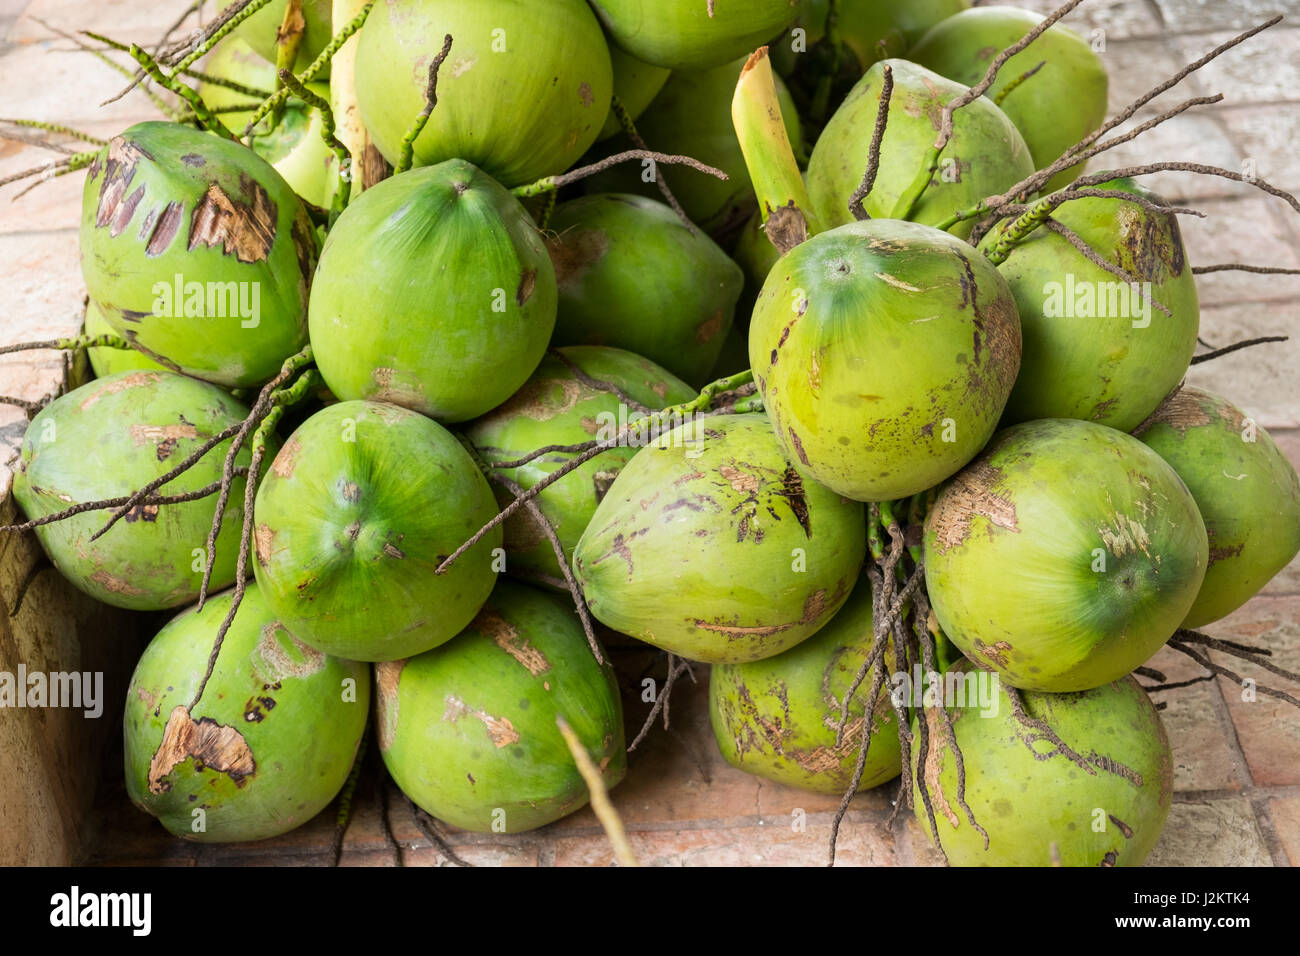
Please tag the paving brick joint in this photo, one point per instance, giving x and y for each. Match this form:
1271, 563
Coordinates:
1237, 764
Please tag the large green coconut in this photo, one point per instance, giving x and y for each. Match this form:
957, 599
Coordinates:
1096, 346
885, 351
261, 29
360, 506
631, 274
109, 361
1038, 807
295, 146
558, 407
1245, 488
268, 745
108, 439
715, 545
1055, 106
636, 84
1064, 556
524, 92
469, 732
691, 116
195, 248
778, 718
985, 155
691, 35
434, 292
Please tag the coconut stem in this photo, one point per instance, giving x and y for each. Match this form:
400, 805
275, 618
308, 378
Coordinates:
344, 815
107, 340
430, 101
629, 129
783, 201
676, 666
162, 105
343, 193
314, 70
873, 152
173, 85
56, 128
1006, 90
552, 183
1237, 346
600, 804
288, 40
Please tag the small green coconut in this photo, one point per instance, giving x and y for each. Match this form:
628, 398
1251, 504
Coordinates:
1038, 807
630, 274
109, 438
362, 504
469, 732
715, 545
1064, 556
779, 718
560, 406
1245, 488
266, 747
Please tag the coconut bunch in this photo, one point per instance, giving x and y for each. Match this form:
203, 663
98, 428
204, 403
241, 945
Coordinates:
421, 395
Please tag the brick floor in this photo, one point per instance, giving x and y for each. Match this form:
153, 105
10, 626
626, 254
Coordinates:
1237, 781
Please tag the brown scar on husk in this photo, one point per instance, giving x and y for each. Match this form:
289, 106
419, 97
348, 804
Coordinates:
164, 436
1180, 411
114, 584
739, 480
245, 230
1124, 828
937, 744
792, 491
1127, 535
279, 664
216, 746
970, 495
506, 636
388, 674
527, 282
710, 327
786, 226
574, 253
500, 731
1223, 554
166, 227
995, 653
798, 447
134, 380
119, 170
813, 607
283, 464
263, 538
141, 513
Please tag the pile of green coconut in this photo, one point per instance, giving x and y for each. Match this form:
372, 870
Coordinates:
446, 350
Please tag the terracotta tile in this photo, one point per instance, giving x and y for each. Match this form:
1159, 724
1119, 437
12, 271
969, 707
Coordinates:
1269, 729
864, 844
1211, 833
1285, 812
1203, 757
1260, 380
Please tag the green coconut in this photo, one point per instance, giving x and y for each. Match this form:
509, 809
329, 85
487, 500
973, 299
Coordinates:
1245, 488
1055, 90
524, 92
985, 155
261, 29
1064, 556
636, 84
295, 146
686, 35
632, 275
1038, 807
691, 116
469, 732
109, 438
558, 407
1098, 347
195, 248
266, 747
434, 292
110, 361
778, 718
360, 506
871, 30
715, 545
885, 351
